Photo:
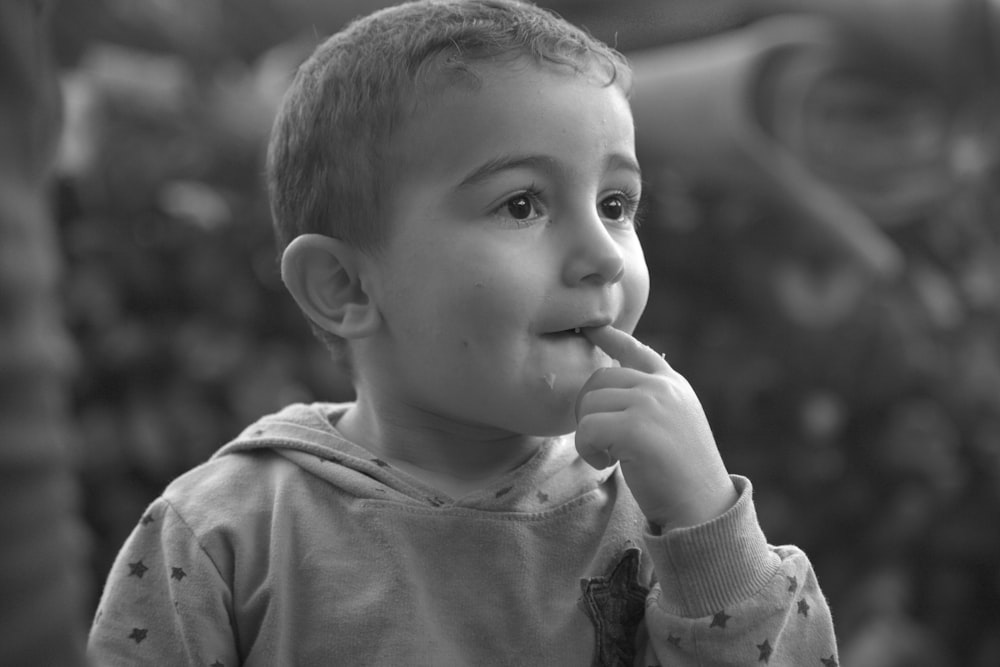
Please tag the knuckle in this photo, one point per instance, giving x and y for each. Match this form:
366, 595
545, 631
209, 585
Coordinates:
649, 401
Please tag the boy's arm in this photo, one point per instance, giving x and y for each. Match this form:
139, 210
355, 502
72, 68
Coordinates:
165, 603
725, 596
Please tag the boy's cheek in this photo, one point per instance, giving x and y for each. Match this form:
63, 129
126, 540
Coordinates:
636, 298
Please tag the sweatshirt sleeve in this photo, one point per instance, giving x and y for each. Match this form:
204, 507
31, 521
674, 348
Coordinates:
165, 602
726, 597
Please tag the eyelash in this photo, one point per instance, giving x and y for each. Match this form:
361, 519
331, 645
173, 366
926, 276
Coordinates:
630, 199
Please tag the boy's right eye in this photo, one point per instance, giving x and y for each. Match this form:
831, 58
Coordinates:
520, 209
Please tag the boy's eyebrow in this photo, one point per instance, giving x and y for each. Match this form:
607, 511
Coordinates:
543, 162
505, 163
618, 161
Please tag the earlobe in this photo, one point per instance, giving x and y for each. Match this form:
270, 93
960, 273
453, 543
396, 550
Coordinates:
324, 276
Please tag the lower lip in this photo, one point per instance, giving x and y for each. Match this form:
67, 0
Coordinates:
578, 341
566, 335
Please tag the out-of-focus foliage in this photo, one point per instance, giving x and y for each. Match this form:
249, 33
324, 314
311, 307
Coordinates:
42, 582
867, 413
171, 288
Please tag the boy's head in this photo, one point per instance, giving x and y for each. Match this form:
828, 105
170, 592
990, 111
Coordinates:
463, 212
332, 163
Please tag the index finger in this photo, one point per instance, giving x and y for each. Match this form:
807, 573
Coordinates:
626, 349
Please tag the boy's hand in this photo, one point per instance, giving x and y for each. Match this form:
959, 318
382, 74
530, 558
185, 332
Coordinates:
646, 416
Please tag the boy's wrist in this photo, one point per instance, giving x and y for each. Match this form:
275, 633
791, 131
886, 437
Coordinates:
711, 566
708, 506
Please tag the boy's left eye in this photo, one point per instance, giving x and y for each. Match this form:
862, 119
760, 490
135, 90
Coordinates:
618, 207
612, 208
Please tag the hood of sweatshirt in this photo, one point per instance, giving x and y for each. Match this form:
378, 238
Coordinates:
306, 435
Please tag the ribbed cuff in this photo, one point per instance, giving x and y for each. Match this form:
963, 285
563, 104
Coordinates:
706, 568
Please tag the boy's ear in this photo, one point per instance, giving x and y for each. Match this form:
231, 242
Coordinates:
324, 276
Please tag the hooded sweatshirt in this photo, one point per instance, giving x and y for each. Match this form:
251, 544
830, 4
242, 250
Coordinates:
294, 546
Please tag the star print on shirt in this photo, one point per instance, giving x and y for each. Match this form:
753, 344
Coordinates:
719, 620
615, 604
177, 573
793, 584
138, 634
804, 607
137, 569
674, 641
829, 662
765, 651
147, 519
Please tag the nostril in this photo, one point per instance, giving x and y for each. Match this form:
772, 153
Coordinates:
609, 273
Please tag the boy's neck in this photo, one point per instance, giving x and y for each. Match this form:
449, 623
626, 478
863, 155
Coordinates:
455, 458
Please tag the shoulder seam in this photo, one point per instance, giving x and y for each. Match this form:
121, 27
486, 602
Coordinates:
197, 540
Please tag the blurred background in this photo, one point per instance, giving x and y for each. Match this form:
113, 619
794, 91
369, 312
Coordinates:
851, 371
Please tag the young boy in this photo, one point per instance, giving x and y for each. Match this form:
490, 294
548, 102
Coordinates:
454, 187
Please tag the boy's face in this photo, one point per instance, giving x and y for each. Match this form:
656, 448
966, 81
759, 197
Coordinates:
511, 224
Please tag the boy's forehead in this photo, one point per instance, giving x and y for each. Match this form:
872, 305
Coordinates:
512, 108
501, 91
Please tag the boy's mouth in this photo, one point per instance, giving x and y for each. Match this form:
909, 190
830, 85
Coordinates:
566, 332
574, 332
578, 331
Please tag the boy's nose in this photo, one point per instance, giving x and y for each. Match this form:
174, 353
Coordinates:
595, 256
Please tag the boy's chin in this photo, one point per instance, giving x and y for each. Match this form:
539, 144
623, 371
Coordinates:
552, 418
545, 407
